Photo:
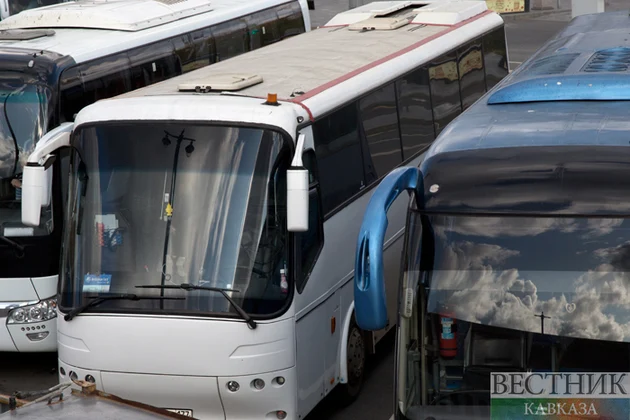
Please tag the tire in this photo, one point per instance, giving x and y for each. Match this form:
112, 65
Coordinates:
347, 393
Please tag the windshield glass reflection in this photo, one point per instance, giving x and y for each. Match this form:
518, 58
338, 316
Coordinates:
166, 204
508, 294
23, 120
557, 276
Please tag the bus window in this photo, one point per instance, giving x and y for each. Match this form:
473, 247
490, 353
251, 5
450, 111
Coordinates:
263, 28
230, 38
495, 57
415, 113
380, 125
338, 151
312, 241
71, 94
153, 63
291, 21
106, 77
444, 81
472, 77
203, 50
184, 51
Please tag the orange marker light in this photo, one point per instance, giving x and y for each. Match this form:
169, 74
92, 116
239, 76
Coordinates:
272, 98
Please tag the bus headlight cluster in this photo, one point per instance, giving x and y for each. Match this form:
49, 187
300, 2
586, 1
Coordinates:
42, 311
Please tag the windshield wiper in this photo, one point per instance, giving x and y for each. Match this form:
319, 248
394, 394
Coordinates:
185, 286
19, 249
99, 300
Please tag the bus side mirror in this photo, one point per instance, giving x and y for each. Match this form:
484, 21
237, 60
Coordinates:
297, 191
369, 286
38, 173
33, 191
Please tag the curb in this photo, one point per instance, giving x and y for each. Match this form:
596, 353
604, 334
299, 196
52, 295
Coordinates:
532, 15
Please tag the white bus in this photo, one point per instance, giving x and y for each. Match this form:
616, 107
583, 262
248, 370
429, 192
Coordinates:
187, 282
58, 59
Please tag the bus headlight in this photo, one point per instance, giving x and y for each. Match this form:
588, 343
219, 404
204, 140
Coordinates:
42, 311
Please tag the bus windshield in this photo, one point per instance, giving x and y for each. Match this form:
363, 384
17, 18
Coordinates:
23, 120
506, 293
157, 204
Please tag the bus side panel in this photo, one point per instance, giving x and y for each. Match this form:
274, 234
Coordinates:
316, 305
310, 351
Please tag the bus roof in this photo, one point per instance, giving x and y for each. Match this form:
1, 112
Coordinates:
322, 69
545, 131
86, 29
571, 91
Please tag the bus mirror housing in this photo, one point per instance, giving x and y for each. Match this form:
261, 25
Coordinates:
369, 286
38, 173
297, 191
33, 183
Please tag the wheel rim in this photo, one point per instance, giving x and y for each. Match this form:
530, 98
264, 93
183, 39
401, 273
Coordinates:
356, 356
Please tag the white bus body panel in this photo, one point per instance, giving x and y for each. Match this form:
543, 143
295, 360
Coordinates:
203, 355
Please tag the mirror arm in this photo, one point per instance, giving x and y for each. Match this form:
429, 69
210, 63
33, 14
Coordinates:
369, 286
297, 163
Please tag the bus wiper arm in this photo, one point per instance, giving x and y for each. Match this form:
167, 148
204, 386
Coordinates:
17, 247
99, 300
250, 322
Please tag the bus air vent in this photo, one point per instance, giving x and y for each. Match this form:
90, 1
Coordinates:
555, 64
571, 87
222, 82
613, 60
24, 35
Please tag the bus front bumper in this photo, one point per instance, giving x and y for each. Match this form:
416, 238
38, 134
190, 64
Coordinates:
201, 397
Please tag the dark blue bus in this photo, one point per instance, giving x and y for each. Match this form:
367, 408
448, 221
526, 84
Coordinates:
517, 249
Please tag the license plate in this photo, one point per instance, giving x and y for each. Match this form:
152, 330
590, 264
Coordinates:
181, 412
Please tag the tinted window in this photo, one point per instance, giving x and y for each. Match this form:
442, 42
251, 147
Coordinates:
471, 73
153, 63
444, 81
311, 241
71, 97
203, 50
414, 112
290, 19
263, 28
338, 151
185, 51
495, 57
309, 161
64, 159
106, 77
380, 125
230, 38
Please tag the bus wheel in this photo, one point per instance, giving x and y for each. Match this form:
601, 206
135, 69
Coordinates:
355, 360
